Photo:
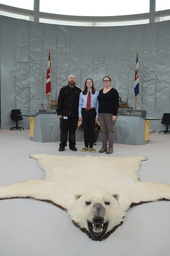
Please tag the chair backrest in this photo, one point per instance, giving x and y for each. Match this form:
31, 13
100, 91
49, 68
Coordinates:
166, 118
16, 114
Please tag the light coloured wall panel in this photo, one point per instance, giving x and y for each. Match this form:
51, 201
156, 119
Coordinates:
87, 52
22, 62
63, 55
87, 56
0, 72
76, 53
8, 69
50, 40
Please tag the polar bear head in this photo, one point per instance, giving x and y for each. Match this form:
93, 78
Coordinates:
97, 211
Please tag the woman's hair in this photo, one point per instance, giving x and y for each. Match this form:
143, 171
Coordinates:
107, 77
85, 87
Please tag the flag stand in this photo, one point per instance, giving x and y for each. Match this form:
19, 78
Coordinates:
48, 102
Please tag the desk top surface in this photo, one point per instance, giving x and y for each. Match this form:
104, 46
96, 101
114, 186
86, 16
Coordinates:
152, 118
135, 115
46, 112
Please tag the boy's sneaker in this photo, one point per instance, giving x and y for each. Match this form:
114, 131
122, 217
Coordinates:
92, 150
84, 149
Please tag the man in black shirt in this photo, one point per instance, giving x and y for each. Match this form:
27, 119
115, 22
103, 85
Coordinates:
67, 110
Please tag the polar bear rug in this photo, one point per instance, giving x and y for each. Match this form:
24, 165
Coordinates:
95, 191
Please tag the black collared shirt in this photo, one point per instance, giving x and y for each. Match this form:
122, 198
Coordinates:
68, 101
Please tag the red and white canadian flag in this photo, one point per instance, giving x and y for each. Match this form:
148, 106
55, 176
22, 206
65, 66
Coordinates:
48, 76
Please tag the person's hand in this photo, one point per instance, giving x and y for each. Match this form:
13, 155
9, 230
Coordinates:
96, 120
80, 118
60, 116
114, 118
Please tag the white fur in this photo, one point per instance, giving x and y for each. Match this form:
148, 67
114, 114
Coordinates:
94, 177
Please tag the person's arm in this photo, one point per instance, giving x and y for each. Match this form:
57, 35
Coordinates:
116, 103
80, 107
59, 104
97, 106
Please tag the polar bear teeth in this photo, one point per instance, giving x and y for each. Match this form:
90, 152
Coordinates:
97, 227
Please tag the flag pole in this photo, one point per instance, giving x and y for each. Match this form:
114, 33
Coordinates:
48, 81
136, 82
48, 102
135, 107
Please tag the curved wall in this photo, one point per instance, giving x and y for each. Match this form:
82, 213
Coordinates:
85, 52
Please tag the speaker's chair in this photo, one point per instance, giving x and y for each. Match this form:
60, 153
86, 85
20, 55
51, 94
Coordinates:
16, 116
166, 121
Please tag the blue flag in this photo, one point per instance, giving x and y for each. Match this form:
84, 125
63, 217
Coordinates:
136, 79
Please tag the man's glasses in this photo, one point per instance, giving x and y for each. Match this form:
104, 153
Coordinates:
106, 81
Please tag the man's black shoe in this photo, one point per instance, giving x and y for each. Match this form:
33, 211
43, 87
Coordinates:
61, 148
73, 148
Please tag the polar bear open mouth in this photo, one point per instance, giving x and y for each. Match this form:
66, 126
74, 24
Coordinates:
97, 228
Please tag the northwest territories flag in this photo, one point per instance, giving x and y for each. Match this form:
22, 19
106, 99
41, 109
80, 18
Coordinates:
48, 76
136, 79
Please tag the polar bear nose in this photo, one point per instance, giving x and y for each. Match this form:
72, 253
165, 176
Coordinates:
98, 210
99, 220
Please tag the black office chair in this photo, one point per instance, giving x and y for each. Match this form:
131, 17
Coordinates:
166, 121
16, 116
